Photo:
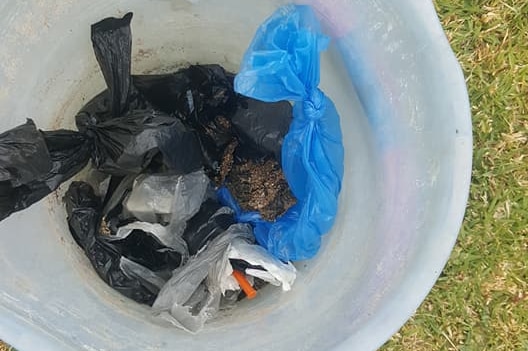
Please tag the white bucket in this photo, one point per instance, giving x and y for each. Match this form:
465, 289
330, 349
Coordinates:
407, 132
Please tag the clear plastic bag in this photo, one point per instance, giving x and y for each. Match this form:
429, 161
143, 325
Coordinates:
189, 195
193, 294
167, 198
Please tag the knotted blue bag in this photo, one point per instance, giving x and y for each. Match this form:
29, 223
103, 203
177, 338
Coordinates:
283, 63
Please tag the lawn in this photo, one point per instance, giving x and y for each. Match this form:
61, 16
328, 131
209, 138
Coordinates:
481, 300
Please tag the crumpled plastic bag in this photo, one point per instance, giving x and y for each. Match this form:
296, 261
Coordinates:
193, 294
128, 134
117, 191
105, 253
270, 269
69, 151
166, 92
112, 44
23, 155
189, 194
261, 127
129, 144
144, 248
168, 198
33, 164
114, 215
210, 221
150, 280
209, 101
202, 96
282, 63
162, 233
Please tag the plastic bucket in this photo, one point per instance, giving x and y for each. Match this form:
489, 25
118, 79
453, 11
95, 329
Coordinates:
406, 121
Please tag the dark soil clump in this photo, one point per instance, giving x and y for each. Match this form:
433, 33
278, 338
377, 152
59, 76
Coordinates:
261, 186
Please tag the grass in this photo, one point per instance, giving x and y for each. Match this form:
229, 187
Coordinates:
481, 300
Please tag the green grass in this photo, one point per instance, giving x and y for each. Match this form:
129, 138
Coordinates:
481, 300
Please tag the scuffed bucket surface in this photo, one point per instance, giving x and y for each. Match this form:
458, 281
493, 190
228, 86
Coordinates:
407, 134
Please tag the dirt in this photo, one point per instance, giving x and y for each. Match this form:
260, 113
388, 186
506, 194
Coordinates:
261, 186
105, 229
227, 162
4, 347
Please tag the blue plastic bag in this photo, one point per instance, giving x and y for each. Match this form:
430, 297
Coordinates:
282, 63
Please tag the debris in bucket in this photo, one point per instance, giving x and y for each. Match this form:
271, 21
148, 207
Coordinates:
260, 264
132, 143
260, 186
257, 131
34, 163
202, 97
228, 160
84, 215
283, 63
193, 294
188, 208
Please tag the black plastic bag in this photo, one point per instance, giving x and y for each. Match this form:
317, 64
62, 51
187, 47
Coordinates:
84, 213
70, 152
211, 220
99, 109
209, 104
62, 155
202, 96
112, 44
212, 96
167, 92
106, 262
129, 136
84, 210
95, 111
24, 156
129, 144
261, 126
145, 249
197, 94
19, 198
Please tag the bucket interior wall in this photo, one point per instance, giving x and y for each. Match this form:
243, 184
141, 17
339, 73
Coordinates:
406, 125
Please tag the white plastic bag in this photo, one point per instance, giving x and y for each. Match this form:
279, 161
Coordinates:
183, 300
276, 272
